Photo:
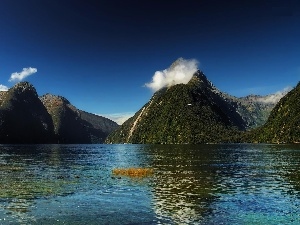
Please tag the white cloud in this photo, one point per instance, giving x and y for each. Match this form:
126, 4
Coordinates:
21, 75
180, 72
274, 98
119, 118
3, 88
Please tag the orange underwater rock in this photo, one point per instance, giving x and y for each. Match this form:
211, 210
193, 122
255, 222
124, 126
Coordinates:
133, 172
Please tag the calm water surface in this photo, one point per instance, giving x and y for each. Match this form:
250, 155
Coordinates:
191, 184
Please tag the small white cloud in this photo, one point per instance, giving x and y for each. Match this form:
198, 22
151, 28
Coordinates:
3, 88
119, 118
274, 98
21, 75
180, 72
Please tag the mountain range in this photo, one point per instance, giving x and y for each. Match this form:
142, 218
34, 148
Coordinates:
195, 112
27, 118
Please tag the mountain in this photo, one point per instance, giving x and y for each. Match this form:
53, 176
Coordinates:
23, 117
283, 124
72, 125
184, 113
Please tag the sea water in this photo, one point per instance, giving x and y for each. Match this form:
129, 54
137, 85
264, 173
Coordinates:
190, 184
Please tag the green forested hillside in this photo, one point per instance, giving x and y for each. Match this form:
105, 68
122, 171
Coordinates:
183, 113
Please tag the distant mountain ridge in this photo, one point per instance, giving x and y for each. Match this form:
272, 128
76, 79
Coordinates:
260, 107
254, 109
27, 118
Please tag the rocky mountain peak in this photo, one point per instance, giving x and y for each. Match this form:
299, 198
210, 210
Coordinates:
200, 78
23, 87
20, 95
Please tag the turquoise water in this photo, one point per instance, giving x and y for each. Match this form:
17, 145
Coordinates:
191, 184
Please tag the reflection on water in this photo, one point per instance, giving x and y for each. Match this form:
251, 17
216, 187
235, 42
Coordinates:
183, 184
227, 184
190, 184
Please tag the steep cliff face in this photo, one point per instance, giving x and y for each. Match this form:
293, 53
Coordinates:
75, 126
23, 117
183, 113
283, 124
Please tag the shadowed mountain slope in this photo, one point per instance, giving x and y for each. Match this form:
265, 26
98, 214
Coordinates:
23, 117
72, 125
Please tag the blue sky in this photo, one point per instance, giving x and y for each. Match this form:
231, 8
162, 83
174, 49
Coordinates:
100, 54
